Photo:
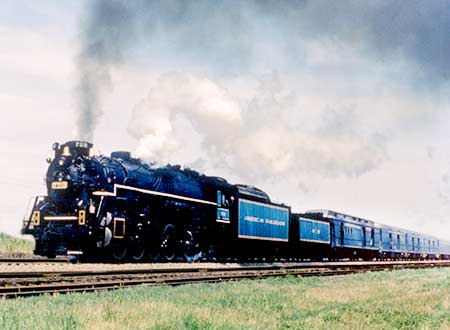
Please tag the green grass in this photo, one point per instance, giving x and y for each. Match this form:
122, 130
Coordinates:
12, 246
407, 299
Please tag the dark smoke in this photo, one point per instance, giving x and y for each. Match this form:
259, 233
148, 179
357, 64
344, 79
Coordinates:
415, 30
228, 35
107, 33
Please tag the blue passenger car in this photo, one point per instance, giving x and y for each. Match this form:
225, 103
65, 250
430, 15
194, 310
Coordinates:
353, 237
350, 237
393, 242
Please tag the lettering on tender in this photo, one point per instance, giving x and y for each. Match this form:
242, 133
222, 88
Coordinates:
250, 218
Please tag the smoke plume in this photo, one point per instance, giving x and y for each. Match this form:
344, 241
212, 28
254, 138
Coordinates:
321, 103
106, 34
348, 43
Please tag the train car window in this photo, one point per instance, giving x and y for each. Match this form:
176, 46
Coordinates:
219, 198
224, 200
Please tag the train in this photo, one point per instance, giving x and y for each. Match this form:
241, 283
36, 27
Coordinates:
122, 209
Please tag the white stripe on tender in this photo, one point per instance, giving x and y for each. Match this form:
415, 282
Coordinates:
151, 192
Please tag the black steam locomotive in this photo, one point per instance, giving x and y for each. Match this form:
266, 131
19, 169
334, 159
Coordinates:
120, 208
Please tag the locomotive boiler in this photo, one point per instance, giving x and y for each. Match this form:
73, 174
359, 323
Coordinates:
122, 208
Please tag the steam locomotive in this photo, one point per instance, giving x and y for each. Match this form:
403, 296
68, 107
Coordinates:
120, 208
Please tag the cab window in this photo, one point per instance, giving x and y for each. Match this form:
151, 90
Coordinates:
219, 198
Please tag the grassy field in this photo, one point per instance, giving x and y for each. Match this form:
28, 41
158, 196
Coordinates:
13, 246
407, 299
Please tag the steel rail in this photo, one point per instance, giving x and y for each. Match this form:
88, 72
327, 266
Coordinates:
31, 283
32, 260
234, 267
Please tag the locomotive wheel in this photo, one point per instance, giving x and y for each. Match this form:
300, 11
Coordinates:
137, 250
154, 250
154, 244
168, 243
119, 252
190, 249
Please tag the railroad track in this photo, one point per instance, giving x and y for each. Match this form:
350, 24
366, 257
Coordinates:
21, 284
11, 261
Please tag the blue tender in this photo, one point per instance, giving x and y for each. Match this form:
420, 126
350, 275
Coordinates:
263, 221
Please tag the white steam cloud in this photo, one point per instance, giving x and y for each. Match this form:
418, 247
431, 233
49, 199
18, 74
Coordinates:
265, 136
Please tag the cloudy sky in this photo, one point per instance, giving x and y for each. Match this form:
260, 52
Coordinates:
323, 104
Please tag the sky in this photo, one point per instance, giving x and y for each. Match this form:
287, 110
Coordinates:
322, 104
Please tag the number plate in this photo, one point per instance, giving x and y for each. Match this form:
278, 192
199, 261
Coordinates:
59, 185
